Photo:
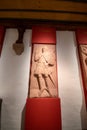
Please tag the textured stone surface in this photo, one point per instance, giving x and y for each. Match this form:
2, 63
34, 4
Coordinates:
83, 55
43, 80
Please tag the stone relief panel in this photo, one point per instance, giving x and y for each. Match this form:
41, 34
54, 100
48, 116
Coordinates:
43, 77
83, 55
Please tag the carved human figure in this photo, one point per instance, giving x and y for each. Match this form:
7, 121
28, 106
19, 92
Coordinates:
45, 60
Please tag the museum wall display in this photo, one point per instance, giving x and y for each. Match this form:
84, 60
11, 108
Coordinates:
54, 97
15, 75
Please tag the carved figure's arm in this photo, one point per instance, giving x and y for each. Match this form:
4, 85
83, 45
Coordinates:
52, 60
36, 57
84, 50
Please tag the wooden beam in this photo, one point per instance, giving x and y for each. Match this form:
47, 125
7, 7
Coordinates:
52, 5
44, 16
44, 10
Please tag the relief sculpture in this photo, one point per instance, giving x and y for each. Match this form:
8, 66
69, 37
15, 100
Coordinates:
83, 54
43, 80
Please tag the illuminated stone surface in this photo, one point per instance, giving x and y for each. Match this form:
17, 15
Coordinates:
43, 79
83, 54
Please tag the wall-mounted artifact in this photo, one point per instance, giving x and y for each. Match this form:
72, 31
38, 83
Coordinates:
18, 47
83, 56
82, 49
43, 78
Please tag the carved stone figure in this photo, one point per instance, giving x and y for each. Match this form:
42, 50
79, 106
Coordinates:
43, 72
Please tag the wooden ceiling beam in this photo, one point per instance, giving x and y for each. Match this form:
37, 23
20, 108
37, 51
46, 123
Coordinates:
52, 5
44, 16
42, 10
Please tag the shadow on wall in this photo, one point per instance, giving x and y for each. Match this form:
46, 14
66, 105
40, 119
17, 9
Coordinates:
0, 112
23, 119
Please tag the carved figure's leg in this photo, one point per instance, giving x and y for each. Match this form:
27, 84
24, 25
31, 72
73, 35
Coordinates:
40, 80
46, 88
